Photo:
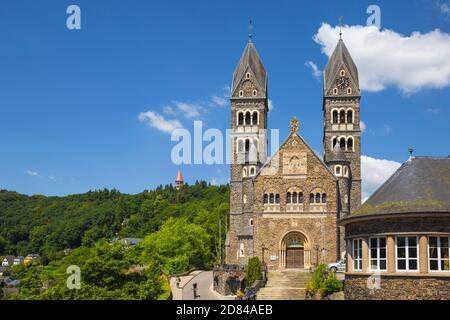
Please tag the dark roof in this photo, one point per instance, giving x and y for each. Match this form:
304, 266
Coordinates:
250, 59
246, 232
421, 185
340, 57
337, 155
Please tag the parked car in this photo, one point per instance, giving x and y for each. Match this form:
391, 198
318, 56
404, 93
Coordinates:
339, 266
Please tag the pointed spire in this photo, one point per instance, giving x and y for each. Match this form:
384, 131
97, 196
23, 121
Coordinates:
340, 59
250, 62
250, 30
179, 177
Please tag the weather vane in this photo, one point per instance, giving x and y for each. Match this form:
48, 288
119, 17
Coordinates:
340, 27
250, 30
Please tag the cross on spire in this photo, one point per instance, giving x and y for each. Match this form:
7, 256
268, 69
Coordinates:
340, 27
250, 30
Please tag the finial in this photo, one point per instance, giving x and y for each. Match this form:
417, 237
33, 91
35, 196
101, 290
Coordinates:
250, 29
340, 27
294, 125
411, 151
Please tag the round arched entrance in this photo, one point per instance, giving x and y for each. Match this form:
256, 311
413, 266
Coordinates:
295, 251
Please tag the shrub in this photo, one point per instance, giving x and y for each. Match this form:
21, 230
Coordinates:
254, 271
323, 282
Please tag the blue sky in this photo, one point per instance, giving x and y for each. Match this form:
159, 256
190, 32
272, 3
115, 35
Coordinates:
70, 100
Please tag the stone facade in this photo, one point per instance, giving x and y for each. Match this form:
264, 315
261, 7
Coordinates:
227, 280
420, 287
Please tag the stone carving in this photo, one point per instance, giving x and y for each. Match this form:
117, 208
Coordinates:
294, 163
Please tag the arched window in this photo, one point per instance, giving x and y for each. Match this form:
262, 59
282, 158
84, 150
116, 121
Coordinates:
337, 170
266, 198
277, 198
335, 117
324, 198
244, 173
345, 169
335, 91
342, 143
248, 120
241, 93
244, 199
349, 116
349, 90
250, 222
255, 118
247, 145
311, 198
272, 198
255, 93
288, 198
247, 75
350, 144
334, 142
294, 197
342, 73
252, 171
240, 118
317, 197
300, 198
342, 116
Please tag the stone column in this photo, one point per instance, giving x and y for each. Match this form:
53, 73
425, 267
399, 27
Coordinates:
365, 255
390, 243
423, 253
349, 256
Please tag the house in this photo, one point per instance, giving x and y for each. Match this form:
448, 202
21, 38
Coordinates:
398, 241
127, 241
8, 261
31, 257
18, 260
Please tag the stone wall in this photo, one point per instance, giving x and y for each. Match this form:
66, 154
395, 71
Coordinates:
425, 287
228, 279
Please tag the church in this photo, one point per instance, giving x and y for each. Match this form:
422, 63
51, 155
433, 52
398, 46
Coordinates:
285, 210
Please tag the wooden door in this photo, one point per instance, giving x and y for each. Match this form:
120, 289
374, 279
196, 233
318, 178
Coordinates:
295, 258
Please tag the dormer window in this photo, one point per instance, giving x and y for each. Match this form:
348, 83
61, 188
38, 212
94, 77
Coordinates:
255, 93
241, 93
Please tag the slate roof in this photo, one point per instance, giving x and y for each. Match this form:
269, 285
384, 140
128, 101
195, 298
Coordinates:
337, 155
250, 59
340, 57
421, 185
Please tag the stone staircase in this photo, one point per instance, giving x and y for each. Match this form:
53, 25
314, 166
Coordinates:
289, 284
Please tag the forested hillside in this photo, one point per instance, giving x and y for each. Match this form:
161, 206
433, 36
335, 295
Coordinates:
180, 231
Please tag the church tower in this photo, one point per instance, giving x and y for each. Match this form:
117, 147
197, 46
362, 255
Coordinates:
249, 108
342, 130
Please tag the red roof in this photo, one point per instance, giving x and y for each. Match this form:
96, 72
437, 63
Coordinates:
179, 177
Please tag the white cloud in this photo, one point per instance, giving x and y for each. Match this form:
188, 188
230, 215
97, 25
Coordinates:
271, 106
374, 173
33, 173
169, 110
363, 126
445, 8
157, 121
189, 110
389, 59
316, 72
219, 101
434, 110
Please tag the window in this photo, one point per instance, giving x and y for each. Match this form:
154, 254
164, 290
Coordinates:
335, 91
345, 170
250, 222
311, 198
438, 248
350, 144
335, 117
266, 198
300, 198
255, 93
317, 197
277, 198
342, 116
350, 116
357, 254
324, 198
288, 198
294, 197
342, 143
248, 120
247, 75
272, 198
334, 142
407, 254
241, 250
378, 254
349, 90
337, 170
244, 173
241, 93
240, 119
342, 73
247, 145
255, 118
252, 171
244, 199
240, 146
